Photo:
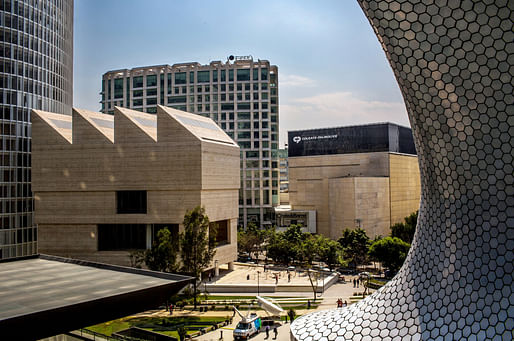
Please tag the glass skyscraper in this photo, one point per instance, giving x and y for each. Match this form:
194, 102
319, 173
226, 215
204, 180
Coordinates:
36, 72
240, 95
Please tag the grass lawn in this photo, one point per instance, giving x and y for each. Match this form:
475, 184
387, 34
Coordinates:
164, 325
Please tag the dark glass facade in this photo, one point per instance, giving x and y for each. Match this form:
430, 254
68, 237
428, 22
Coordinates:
36, 72
381, 137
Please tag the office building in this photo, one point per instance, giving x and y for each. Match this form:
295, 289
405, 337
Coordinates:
360, 176
240, 95
106, 184
36, 72
284, 177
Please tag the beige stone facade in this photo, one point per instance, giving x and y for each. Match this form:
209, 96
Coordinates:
368, 190
84, 166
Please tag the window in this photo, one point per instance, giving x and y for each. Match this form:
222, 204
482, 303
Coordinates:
151, 101
203, 76
151, 80
169, 83
227, 106
243, 115
255, 74
138, 93
243, 75
130, 202
137, 82
215, 75
264, 74
243, 135
177, 99
230, 75
137, 102
223, 78
243, 125
151, 92
113, 237
118, 88
180, 78
191, 77
222, 233
243, 106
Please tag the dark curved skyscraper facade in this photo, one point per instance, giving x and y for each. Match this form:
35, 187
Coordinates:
36, 72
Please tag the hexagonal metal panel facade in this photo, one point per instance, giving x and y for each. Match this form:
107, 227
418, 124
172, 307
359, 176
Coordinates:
454, 62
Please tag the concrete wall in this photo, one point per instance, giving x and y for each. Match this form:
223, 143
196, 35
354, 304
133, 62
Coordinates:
405, 188
371, 190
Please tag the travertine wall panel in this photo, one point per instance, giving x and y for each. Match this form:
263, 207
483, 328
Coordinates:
75, 182
341, 214
67, 239
344, 188
372, 206
405, 186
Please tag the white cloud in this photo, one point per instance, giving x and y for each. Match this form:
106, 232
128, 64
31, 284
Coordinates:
296, 81
335, 110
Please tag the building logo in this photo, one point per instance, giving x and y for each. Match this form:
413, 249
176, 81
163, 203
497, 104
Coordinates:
298, 139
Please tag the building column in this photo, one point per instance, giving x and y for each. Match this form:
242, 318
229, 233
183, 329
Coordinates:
231, 266
148, 236
216, 268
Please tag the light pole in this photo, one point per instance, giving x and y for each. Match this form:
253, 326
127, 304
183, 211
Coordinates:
258, 287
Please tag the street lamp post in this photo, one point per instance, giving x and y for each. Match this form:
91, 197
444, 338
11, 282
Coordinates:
258, 287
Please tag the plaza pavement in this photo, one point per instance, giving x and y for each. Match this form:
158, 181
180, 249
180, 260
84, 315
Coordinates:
329, 300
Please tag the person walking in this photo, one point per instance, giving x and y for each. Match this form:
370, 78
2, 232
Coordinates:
267, 332
275, 331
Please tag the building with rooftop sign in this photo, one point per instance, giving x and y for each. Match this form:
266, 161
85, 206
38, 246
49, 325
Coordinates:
360, 176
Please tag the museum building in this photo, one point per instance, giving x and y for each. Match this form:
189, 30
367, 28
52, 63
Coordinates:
363, 176
106, 184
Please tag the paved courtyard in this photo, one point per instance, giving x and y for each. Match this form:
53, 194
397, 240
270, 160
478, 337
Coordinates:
246, 275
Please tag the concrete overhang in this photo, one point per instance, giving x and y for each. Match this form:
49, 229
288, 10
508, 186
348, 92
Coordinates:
42, 296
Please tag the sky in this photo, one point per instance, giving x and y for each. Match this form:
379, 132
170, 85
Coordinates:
332, 71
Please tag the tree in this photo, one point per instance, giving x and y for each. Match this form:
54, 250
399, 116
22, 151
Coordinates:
198, 245
279, 249
329, 252
286, 247
182, 332
405, 231
251, 240
163, 254
391, 251
355, 244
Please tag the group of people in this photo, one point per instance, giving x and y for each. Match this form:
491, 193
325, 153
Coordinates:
356, 281
341, 304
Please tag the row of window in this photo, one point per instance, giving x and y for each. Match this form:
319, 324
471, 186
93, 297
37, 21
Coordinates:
256, 199
114, 237
152, 91
201, 77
